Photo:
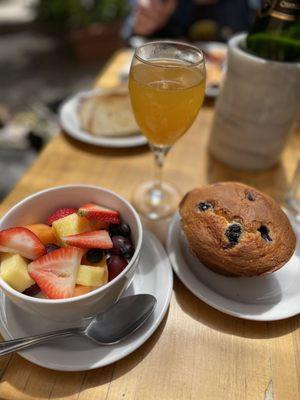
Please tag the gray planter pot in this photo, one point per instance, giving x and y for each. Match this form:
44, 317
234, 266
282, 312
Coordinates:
256, 109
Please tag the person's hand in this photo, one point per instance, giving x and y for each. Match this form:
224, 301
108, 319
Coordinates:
152, 15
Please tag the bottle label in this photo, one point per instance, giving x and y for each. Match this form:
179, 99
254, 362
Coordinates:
283, 9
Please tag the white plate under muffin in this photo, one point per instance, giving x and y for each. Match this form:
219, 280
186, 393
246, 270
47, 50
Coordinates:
264, 298
70, 122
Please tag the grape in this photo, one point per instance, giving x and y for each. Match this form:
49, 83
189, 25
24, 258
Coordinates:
32, 290
51, 247
115, 265
120, 229
122, 246
94, 255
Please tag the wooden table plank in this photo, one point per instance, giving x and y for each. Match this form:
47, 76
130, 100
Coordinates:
197, 352
110, 76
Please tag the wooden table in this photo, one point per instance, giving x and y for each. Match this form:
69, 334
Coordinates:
197, 352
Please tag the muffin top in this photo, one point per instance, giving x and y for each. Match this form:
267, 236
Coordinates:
236, 229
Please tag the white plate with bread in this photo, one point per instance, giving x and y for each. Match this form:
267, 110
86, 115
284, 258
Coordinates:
101, 117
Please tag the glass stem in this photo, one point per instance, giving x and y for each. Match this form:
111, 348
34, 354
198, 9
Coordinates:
160, 153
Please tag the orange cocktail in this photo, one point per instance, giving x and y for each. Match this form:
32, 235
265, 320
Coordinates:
166, 97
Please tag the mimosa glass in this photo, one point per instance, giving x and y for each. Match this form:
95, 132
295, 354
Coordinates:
166, 86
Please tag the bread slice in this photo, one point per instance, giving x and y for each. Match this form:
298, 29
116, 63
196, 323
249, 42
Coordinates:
86, 111
108, 113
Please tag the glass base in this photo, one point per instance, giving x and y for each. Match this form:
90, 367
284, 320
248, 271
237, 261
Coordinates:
156, 203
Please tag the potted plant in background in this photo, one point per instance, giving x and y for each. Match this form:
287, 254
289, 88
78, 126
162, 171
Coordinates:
92, 27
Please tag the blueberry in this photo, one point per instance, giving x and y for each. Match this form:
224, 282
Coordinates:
124, 230
115, 265
94, 255
32, 290
250, 196
204, 206
51, 247
122, 246
264, 231
120, 229
233, 233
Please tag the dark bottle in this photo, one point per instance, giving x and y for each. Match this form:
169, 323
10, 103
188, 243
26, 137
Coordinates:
275, 34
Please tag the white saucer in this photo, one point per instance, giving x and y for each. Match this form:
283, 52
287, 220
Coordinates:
266, 298
154, 275
69, 120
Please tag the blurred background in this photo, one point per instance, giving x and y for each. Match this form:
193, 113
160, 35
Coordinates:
51, 49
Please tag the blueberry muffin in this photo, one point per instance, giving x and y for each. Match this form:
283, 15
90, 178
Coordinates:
236, 230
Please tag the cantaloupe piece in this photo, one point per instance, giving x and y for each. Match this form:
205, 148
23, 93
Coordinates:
44, 232
80, 290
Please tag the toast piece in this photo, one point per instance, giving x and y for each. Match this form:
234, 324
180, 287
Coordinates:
86, 110
108, 114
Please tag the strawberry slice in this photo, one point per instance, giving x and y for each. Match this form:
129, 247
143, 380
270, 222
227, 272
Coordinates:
89, 240
95, 212
22, 241
60, 213
56, 272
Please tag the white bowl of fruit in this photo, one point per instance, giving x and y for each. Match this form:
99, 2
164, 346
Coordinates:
69, 252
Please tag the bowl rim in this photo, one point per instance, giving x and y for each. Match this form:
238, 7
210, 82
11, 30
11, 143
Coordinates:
94, 292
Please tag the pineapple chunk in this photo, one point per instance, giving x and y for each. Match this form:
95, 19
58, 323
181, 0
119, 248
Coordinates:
14, 272
73, 224
92, 276
5, 256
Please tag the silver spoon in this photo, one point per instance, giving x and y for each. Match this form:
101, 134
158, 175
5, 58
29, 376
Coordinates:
109, 327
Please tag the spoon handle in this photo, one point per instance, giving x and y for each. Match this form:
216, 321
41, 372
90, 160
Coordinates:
11, 346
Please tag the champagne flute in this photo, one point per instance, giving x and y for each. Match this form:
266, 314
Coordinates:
166, 86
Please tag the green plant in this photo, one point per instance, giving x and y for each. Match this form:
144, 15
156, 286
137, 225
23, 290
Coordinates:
66, 14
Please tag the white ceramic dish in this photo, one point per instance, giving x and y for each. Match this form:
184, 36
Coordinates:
154, 276
266, 298
69, 120
35, 209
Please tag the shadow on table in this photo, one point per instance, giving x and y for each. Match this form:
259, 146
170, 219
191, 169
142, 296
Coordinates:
106, 151
221, 322
272, 181
42, 382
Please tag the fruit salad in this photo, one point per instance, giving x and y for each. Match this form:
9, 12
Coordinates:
73, 252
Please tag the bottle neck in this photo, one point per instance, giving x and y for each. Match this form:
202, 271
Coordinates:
288, 10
